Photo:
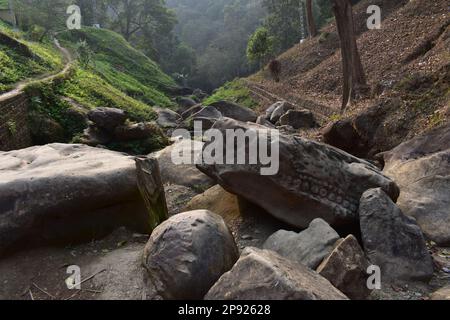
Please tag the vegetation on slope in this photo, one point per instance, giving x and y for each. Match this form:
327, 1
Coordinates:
234, 91
16, 66
123, 67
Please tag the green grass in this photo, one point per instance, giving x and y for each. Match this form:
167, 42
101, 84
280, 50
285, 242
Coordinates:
91, 91
122, 66
4, 4
15, 67
234, 91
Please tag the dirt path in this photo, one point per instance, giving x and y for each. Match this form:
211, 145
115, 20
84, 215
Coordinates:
68, 59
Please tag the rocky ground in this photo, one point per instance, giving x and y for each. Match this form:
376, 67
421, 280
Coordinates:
351, 193
300, 234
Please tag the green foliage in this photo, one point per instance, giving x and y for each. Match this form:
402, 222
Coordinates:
260, 45
84, 53
4, 4
122, 66
91, 91
15, 66
234, 91
12, 127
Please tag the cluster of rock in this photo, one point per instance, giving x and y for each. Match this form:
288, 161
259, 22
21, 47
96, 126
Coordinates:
189, 111
284, 116
62, 193
112, 127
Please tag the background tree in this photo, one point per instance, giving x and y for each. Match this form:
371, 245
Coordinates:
312, 30
260, 46
354, 79
50, 15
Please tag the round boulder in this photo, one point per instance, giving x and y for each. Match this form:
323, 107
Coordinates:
188, 253
107, 118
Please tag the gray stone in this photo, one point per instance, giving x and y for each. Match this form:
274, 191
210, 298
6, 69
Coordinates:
265, 275
298, 119
137, 131
193, 110
313, 180
393, 241
188, 253
421, 167
346, 268
341, 134
185, 174
272, 108
207, 116
185, 103
308, 247
64, 193
235, 111
167, 118
280, 110
107, 118
264, 122
94, 136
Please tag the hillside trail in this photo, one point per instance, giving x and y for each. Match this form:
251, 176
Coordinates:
20, 86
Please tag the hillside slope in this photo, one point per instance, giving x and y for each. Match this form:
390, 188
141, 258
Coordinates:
122, 66
116, 76
406, 63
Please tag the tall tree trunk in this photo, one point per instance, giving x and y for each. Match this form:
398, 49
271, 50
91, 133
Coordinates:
310, 18
353, 71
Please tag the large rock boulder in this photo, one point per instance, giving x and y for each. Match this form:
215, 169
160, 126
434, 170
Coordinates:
136, 131
272, 108
298, 119
193, 110
167, 118
177, 165
64, 193
185, 103
107, 118
93, 136
235, 111
313, 180
188, 253
346, 268
280, 109
265, 275
264, 122
207, 116
393, 241
341, 134
308, 247
421, 167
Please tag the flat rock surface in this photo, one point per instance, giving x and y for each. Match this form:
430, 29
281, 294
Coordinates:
60, 192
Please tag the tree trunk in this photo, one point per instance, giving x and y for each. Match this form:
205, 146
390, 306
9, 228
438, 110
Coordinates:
152, 190
353, 71
310, 18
